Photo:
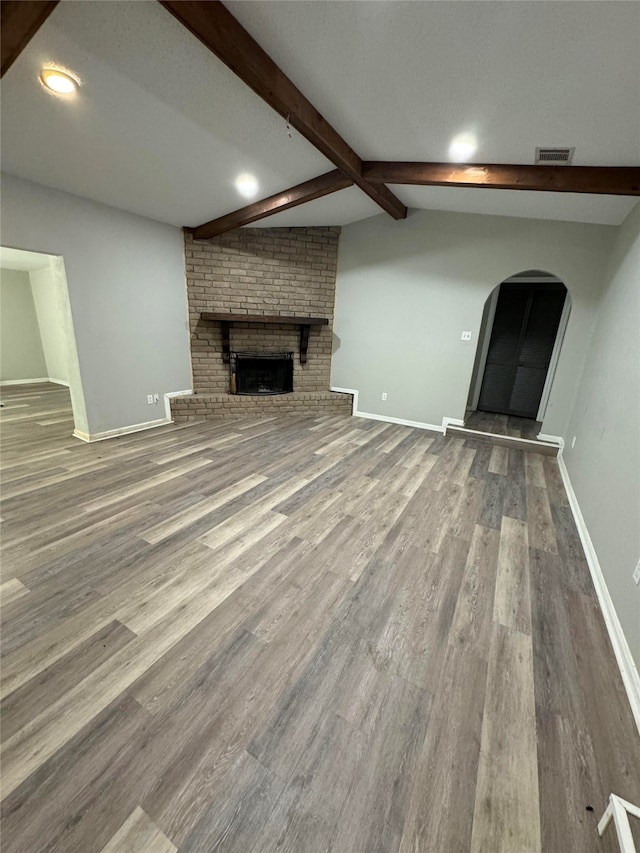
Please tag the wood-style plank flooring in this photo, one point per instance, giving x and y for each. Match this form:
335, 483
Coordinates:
303, 634
503, 425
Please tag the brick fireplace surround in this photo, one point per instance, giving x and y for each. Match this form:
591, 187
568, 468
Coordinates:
261, 271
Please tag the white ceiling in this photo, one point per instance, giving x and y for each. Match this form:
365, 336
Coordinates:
400, 79
162, 128
570, 207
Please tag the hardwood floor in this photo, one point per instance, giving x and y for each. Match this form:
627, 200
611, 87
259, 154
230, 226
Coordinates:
301, 634
503, 425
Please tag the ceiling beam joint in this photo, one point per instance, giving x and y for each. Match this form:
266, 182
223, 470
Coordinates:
212, 23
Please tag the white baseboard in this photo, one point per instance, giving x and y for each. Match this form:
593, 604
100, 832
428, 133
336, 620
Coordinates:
351, 391
523, 443
628, 668
551, 439
418, 424
33, 381
386, 418
167, 401
24, 381
451, 422
617, 812
112, 433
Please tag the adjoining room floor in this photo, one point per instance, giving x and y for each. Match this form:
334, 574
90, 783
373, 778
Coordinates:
301, 634
503, 425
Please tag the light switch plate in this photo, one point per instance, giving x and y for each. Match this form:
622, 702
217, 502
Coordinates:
465, 336
636, 574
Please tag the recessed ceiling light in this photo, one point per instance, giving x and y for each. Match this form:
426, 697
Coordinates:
247, 185
59, 81
462, 147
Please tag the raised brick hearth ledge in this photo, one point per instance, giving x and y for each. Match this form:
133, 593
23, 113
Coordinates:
221, 407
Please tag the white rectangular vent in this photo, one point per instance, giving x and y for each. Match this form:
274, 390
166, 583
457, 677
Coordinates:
555, 156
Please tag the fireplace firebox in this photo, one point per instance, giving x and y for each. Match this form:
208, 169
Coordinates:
261, 373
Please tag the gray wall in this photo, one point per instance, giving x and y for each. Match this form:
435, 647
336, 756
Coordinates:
406, 291
21, 353
126, 284
49, 298
604, 465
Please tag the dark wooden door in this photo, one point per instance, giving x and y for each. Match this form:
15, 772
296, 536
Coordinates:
522, 340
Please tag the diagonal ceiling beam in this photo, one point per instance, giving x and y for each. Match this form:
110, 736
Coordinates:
605, 180
218, 30
19, 22
308, 191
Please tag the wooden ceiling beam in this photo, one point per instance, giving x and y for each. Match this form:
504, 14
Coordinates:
19, 22
217, 29
601, 180
323, 185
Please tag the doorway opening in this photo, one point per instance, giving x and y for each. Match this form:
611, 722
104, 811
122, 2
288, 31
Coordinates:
39, 354
521, 334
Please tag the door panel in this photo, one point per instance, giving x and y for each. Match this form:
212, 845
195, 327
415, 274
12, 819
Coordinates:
496, 388
522, 340
505, 335
542, 327
527, 391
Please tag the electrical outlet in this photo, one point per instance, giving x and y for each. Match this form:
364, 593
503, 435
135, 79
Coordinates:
150, 399
573, 441
465, 336
384, 395
156, 398
636, 574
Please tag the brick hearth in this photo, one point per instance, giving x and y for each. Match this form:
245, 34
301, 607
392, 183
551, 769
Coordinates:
230, 406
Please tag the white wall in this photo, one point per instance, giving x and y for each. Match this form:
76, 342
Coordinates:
21, 353
604, 465
126, 285
406, 290
49, 298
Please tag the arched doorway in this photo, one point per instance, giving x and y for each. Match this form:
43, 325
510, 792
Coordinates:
521, 334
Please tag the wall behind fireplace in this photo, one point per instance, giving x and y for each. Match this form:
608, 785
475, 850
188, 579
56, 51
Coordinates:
262, 271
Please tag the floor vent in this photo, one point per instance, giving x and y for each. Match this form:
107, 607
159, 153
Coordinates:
555, 156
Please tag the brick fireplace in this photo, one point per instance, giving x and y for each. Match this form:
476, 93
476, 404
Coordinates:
261, 272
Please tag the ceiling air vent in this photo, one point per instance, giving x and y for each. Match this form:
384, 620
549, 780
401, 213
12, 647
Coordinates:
555, 156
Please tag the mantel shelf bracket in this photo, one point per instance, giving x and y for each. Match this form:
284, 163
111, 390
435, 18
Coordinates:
304, 342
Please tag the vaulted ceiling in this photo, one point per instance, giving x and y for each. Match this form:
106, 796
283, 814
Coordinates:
161, 127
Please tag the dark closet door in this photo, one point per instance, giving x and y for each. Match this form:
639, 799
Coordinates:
522, 339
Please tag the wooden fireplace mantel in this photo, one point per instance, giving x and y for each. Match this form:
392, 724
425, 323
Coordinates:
226, 320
